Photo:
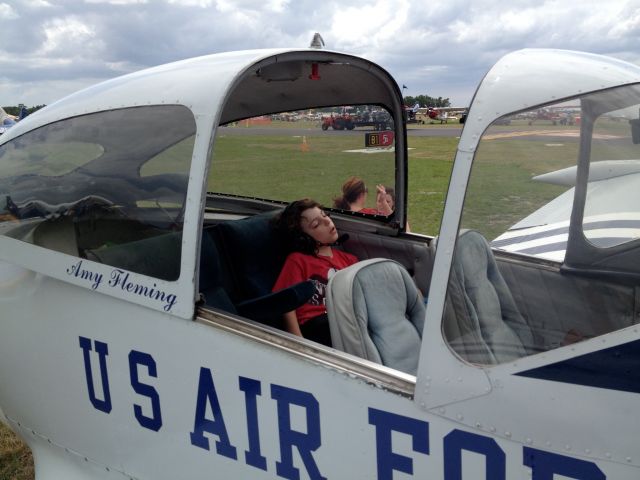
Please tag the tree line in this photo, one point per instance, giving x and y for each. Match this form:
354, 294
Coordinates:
427, 101
16, 110
422, 100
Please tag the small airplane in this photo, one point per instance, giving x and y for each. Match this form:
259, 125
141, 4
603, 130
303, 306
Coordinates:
139, 335
411, 112
613, 217
7, 121
441, 114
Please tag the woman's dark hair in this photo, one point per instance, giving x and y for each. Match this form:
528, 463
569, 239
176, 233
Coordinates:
288, 226
351, 190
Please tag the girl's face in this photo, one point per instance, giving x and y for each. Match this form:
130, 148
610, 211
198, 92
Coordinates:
318, 225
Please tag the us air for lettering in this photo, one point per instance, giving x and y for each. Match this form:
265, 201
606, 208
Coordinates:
209, 418
209, 423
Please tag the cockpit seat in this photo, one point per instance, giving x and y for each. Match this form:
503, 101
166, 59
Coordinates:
482, 322
254, 254
211, 281
57, 234
157, 256
376, 312
241, 259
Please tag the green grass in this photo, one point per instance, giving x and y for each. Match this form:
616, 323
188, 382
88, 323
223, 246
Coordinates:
501, 192
279, 168
284, 167
430, 163
16, 462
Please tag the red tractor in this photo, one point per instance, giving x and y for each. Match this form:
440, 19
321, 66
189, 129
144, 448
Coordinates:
338, 122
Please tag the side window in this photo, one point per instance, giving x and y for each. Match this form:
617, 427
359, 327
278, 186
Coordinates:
335, 155
108, 186
516, 196
612, 207
520, 198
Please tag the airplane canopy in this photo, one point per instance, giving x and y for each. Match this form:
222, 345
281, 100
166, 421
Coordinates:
262, 81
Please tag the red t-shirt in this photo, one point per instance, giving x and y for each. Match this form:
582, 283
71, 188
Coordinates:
370, 211
299, 267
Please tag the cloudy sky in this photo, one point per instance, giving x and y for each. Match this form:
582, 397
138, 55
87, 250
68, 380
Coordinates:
49, 49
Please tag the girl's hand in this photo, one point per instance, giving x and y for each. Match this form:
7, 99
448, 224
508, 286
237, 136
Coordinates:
381, 201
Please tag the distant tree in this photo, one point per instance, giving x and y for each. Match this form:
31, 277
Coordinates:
427, 101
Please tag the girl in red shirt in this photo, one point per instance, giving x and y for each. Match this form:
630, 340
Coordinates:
311, 235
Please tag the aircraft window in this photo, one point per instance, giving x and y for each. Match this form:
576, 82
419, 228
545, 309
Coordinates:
509, 199
309, 153
51, 160
506, 296
105, 186
612, 208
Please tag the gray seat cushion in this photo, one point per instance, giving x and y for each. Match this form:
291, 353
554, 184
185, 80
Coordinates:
482, 321
376, 312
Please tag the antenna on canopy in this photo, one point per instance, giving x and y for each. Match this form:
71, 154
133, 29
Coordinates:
317, 41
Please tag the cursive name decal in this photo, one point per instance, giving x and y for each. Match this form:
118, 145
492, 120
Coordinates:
120, 279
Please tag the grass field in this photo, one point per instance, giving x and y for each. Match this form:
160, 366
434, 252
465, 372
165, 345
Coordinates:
15, 457
283, 167
287, 167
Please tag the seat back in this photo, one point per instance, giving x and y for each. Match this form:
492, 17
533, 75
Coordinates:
243, 262
212, 279
57, 234
376, 312
255, 254
156, 256
482, 322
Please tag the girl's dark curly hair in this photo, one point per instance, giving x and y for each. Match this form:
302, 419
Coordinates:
288, 226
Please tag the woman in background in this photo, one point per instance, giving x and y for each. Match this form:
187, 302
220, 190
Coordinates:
354, 198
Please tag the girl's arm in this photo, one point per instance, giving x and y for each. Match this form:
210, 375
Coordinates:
291, 323
381, 201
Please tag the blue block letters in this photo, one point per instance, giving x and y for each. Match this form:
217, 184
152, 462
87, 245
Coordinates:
139, 358
252, 389
457, 440
305, 442
545, 465
207, 395
387, 422
102, 350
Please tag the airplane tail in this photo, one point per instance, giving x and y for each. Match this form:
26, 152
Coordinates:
23, 112
4, 115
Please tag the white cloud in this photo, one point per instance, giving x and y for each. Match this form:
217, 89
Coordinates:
118, 2
68, 35
197, 3
370, 27
7, 12
441, 48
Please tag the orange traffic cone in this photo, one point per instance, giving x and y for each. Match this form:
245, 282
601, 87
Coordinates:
305, 146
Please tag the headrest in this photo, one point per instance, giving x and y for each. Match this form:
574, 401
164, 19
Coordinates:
256, 251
